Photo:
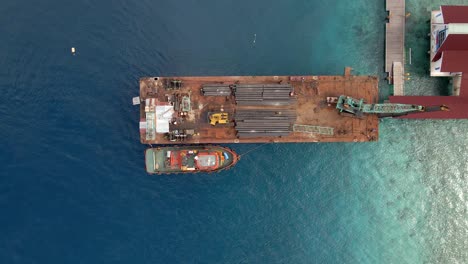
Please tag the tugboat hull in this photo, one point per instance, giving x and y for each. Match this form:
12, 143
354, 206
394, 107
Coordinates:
189, 159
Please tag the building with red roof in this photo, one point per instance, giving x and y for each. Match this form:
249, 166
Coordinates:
449, 58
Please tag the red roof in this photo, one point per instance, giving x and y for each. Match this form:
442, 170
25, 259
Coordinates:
464, 85
455, 61
458, 106
453, 42
455, 14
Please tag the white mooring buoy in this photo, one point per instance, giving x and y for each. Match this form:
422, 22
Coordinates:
73, 50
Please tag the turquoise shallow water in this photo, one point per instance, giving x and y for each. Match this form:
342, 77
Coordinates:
73, 187
416, 185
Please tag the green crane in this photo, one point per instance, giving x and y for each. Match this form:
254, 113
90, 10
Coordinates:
358, 108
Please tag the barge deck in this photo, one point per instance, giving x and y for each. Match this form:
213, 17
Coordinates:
178, 110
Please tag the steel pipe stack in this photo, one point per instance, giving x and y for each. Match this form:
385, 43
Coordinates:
264, 123
216, 90
263, 94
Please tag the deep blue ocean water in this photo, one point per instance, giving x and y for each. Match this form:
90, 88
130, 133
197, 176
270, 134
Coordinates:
73, 187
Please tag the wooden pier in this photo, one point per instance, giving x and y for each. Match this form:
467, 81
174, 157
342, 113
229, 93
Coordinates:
398, 80
395, 44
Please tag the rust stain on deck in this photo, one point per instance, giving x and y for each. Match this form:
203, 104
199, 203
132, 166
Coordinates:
310, 94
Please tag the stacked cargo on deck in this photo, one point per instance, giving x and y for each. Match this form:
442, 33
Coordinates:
264, 94
269, 118
264, 123
216, 90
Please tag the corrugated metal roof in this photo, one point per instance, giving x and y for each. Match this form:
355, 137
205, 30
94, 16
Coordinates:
455, 61
164, 115
455, 42
455, 14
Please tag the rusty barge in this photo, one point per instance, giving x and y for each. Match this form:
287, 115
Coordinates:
253, 109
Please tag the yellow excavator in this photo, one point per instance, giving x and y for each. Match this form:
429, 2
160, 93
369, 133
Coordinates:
218, 118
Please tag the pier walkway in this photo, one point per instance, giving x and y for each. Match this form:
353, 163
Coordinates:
398, 80
395, 44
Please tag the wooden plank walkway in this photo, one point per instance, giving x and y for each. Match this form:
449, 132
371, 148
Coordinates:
395, 36
398, 78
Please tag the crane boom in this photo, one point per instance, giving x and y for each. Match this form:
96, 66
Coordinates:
356, 107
